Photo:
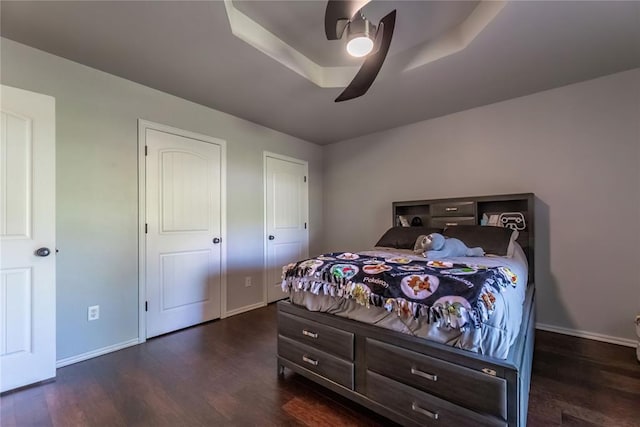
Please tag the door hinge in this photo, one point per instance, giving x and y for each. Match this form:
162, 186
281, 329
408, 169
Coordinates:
146, 150
146, 306
305, 225
305, 179
146, 228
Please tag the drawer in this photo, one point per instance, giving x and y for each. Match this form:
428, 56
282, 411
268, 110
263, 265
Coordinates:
444, 222
422, 407
463, 386
323, 337
453, 209
330, 367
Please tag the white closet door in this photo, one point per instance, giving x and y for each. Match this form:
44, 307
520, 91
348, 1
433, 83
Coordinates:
27, 223
286, 207
183, 240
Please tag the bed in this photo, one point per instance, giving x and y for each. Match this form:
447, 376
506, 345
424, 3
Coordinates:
413, 351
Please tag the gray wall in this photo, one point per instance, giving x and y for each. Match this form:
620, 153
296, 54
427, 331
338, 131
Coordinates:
576, 147
97, 200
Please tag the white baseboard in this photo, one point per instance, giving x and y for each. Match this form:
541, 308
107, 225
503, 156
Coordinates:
101, 351
245, 309
576, 333
95, 353
588, 335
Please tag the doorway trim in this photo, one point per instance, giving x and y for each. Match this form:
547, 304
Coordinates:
143, 125
265, 155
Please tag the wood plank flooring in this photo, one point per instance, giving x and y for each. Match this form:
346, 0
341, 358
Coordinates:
224, 373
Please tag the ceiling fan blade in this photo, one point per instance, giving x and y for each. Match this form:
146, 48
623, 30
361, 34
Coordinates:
337, 16
371, 66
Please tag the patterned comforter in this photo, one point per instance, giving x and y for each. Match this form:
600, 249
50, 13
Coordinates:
448, 294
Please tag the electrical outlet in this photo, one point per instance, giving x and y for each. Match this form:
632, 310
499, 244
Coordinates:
93, 312
247, 281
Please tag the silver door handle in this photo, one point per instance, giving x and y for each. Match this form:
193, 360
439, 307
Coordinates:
43, 252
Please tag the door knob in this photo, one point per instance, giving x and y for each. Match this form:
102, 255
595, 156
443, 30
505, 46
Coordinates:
43, 252
271, 237
216, 240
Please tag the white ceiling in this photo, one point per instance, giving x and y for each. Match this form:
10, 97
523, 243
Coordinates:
186, 48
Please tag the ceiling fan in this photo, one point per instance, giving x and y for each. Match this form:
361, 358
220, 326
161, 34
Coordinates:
364, 40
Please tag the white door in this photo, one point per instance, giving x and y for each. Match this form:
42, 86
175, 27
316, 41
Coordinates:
27, 223
184, 230
286, 209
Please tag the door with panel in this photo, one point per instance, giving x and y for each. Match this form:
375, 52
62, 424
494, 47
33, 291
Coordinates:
183, 229
286, 218
27, 238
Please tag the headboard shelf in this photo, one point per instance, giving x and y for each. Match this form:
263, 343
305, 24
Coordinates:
515, 210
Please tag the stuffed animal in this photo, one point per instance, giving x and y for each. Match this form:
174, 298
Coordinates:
436, 246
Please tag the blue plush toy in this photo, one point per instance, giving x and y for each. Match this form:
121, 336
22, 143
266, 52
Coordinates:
436, 246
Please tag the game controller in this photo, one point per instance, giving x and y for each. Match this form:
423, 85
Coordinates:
512, 220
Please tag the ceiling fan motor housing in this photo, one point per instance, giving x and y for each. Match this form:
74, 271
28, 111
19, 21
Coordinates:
363, 40
359, 26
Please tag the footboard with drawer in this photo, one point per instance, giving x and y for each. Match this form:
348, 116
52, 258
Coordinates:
409, 380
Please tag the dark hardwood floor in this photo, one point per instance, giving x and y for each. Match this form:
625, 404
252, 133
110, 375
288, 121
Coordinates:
224, 373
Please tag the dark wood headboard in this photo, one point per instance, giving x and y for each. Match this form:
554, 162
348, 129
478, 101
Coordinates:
442, 213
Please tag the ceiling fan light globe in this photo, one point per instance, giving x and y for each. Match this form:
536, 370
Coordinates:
359, 46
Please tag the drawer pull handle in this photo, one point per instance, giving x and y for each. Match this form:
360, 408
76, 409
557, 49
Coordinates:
419, 373
450, 223
418, 409
451, 209
309, 360
489, 371
309, 334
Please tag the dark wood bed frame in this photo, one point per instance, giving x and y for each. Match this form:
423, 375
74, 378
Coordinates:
410, 380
